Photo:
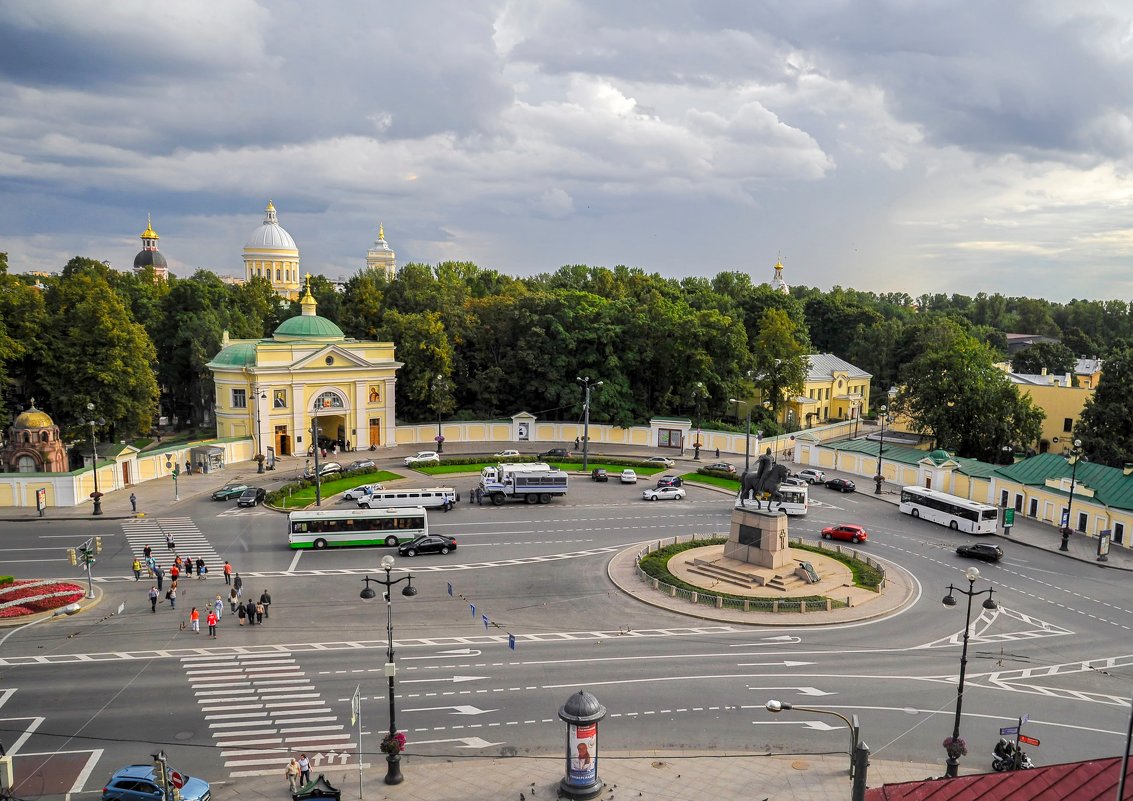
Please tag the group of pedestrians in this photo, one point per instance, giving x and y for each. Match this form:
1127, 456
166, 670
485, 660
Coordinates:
298, 772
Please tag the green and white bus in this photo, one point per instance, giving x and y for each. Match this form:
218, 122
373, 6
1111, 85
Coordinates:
333, 528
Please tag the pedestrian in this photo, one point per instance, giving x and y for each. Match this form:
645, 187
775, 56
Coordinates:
201, 569
250, 611
292, 774
171, 594
259, 614
576, 443
147, 552
218, 607
227, 572
238, 585
717, 453
159, 574
175, 571
304, 768
137, 567
169, 543
211, 620
195, 620
479, 496
188, 468
347, 445
233, 599
133, 502
153, 599
151, 564
240, 613
265, 599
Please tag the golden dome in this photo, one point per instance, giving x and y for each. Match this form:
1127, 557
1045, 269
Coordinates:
33, 418
149, 233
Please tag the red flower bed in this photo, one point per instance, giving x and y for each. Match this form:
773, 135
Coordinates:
40, 597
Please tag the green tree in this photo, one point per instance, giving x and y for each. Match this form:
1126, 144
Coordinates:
1106, 424
194, 321
954, 391
1054, 357
22, 318
97, 353
779, 358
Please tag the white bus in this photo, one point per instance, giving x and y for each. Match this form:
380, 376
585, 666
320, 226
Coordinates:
796, 500
428, 497
330, 529
957, 513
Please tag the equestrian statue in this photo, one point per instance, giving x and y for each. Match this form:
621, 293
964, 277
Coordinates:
764, 480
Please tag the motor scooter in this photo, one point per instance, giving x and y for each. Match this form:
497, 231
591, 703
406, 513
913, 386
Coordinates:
1007, 756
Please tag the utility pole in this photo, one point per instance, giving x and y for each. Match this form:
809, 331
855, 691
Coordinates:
587, 384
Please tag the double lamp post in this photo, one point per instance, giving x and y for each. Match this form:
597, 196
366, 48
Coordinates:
96, 496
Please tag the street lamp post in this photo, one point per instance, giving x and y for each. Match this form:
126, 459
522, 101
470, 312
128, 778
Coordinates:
437, 387
315, 431
393, 759
880, 449
747, 431
587, 385
96, 496
259, 433
855, 728
953, 744
1074, 455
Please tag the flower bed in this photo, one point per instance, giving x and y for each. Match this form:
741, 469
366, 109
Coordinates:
28, 597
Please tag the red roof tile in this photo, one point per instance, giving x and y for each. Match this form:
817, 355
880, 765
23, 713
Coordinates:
1094, 780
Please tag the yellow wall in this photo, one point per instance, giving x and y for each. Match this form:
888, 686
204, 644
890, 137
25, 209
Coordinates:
1058, 403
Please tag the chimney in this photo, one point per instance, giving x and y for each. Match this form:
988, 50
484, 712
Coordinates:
1043, 372
1127, 469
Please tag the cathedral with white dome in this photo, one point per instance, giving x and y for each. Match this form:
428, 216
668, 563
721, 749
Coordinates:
271, 253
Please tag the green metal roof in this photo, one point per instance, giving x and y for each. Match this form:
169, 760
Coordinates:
1110, 485
912, 456
308, 326
242, 354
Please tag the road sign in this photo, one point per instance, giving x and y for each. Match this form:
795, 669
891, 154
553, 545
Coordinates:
1008, 517
177, 779
1028, 740
1008, 730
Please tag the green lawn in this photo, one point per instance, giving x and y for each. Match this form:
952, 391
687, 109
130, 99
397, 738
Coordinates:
305, 496
701, 478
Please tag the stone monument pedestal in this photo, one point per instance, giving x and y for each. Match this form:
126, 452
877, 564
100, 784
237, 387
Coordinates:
759, 537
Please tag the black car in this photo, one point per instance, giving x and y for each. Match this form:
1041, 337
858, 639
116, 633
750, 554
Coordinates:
428, 543
981, 550
598, 474
555, 453
229, 491
841, 484
251, 496
669, 481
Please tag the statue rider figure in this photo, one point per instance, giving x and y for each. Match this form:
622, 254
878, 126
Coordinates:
753, 483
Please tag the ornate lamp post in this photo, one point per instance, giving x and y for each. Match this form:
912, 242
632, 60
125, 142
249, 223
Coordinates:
96, 496
886, 417
260, 434
954, 745
747, 431
437, 388
391, 745
1074, 454
587, 385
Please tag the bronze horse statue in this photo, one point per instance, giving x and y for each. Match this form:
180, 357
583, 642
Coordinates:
756, 483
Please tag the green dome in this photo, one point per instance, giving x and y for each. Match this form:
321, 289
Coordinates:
241, 354
939, 456
308, 327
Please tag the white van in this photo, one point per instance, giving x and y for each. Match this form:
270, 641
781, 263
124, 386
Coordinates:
445, 497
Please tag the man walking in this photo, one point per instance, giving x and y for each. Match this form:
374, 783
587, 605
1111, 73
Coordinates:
159, 574
172, 595
153, 599
238, 585
133, 502
137, 567
211, 620
227, 572
265, 599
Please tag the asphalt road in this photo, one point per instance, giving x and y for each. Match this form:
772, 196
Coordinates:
83, 695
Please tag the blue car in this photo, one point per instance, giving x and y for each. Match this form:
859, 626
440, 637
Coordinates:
140, 783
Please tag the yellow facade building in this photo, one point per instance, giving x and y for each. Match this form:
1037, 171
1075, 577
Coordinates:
834, 390
273, 389
271, 253
1062, 399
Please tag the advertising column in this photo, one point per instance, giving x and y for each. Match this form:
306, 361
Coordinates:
581, 713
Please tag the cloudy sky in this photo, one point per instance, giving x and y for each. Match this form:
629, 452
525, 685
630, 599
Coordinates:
886, 145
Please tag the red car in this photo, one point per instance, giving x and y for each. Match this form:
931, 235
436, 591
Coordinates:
848, 532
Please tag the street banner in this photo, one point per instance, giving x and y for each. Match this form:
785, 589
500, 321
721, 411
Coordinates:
583, 754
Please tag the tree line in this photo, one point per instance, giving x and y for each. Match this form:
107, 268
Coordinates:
480, 344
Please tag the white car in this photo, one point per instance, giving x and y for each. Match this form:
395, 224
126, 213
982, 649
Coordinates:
663, 494
811, 475
507, 455
361, 491
629, 477
422, 458
660, 461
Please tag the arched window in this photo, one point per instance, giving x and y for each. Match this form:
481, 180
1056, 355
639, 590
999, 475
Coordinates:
44, 436
26, 464
27, 437
329, 400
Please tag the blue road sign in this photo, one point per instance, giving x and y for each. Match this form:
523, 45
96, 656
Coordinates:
1009, 730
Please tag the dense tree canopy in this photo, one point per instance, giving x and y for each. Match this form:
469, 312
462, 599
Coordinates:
1054, 357
1106, 425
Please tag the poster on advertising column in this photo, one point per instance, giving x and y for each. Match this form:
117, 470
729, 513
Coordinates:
583, 754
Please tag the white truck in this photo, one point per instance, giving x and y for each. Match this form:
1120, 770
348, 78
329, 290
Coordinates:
532, 482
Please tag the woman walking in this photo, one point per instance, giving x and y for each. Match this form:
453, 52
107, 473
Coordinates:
195, 620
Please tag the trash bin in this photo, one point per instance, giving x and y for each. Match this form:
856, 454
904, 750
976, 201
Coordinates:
318, 788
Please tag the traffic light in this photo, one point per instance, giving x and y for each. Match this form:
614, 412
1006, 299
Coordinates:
72, 557
98, 544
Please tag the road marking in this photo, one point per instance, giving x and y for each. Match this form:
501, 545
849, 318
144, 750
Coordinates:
458, 709
447, 680
801, 690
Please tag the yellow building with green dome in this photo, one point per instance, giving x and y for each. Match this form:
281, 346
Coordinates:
271, 390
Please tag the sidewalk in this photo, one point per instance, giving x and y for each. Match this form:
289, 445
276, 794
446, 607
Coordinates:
664, 776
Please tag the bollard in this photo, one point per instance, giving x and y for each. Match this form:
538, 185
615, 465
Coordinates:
581, 712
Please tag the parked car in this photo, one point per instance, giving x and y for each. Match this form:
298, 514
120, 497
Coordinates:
251, 496
422, 458
670, 481
507, 455
663, 494
723, 467
841, 484
598, 474
361, 491
229, 491
555, 453
140, 783
981, 550
629, 476
325, 469
427, 543
847, 532
660, 461
795, 481
811, 476
362, 464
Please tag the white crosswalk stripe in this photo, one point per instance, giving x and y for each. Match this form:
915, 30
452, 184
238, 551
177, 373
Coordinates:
189, 540
262, 709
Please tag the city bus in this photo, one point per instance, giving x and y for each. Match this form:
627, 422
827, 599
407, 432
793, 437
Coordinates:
796, 500
335, 528
959, 514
